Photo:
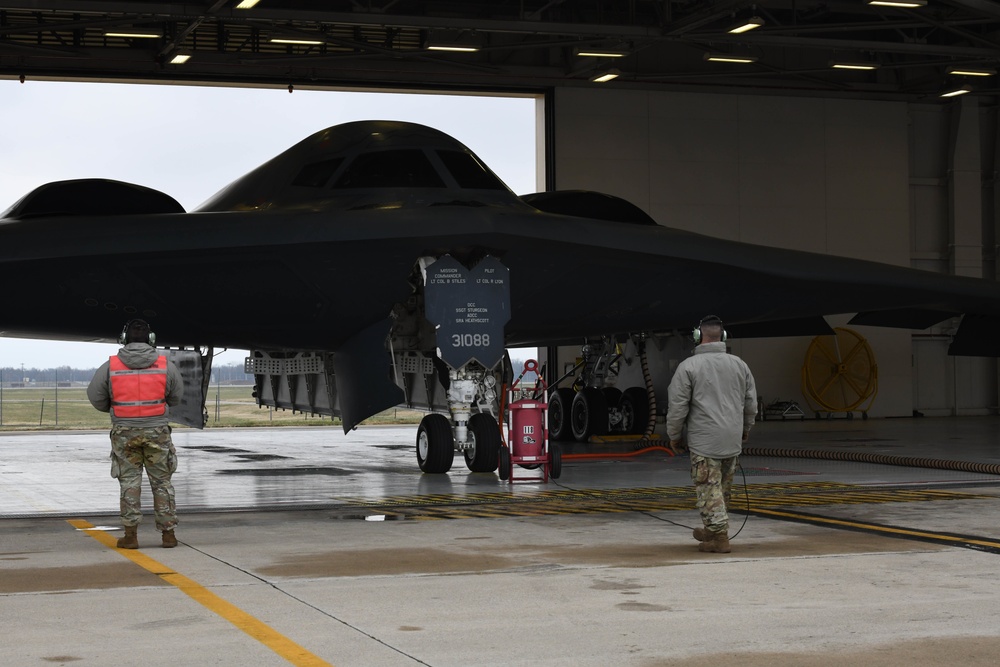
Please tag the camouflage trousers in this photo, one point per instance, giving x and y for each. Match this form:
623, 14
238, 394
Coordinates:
133, 449
713, 483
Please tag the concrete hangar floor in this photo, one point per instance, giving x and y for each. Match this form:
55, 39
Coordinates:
307, 547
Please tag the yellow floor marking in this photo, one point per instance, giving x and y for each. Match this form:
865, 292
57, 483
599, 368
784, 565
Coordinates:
274, 640
876, 528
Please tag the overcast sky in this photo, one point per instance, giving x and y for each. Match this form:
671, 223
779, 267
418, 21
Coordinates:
191, 141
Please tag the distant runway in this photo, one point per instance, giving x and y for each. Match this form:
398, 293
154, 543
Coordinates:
308, 547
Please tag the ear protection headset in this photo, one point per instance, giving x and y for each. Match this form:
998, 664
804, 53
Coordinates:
708, 319
123, 336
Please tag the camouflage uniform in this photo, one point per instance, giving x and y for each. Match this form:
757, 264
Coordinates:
713, 484
133, 449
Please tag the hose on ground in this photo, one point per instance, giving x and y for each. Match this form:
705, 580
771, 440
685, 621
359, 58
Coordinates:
885, 459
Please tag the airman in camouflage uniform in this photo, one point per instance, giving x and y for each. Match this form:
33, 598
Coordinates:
713, 396
136, 386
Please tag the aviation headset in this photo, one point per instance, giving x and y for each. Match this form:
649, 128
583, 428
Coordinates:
708, 319
123, 336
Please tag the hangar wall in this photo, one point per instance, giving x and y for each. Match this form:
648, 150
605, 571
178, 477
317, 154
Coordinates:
862, 179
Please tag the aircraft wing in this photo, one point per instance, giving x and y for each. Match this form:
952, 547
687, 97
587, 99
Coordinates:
280, 280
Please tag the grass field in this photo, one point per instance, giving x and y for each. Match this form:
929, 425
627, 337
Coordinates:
68, 408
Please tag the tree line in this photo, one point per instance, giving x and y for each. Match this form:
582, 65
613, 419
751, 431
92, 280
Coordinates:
226, 373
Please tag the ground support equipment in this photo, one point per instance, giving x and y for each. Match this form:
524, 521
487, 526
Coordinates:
526, 443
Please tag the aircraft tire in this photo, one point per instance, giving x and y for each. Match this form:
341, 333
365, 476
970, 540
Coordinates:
589, 414
634, 406
555, 466
504, 465
613, 395
485, 453
435, 444
560, 404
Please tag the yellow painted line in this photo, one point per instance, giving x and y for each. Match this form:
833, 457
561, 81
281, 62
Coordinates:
266, 635
906, 532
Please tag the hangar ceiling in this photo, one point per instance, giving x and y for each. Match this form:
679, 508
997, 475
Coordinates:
523, 45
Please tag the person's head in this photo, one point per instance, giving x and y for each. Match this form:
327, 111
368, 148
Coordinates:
709, 330
136, 331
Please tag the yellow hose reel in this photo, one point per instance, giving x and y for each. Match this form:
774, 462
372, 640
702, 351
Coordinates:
839, 373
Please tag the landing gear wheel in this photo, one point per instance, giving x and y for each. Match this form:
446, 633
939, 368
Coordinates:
560, 405
435, 444
613, 395
555, 468
504, 466
589, 414
634, 407
485, 451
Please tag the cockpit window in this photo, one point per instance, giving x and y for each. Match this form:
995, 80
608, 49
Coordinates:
469, 172
390, 169
317, 174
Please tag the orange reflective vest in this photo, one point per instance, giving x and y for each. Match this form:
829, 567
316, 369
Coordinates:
138, 392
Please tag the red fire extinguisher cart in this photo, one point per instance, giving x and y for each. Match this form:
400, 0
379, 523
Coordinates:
527, 443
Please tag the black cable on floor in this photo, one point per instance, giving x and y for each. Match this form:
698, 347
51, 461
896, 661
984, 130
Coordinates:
746, 514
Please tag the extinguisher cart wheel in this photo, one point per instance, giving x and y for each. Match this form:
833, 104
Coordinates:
504, 467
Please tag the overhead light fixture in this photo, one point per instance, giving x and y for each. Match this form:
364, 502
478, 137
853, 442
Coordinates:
455, 48
908, 4
133, 34
957, 91
180, 58
969, 71
246, 4
856, 65
729, 58
292, 40
604, 77
600, 53
751, 23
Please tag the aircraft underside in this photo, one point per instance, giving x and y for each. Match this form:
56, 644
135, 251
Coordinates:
442, 351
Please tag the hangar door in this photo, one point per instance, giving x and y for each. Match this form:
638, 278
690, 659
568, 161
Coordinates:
944, 385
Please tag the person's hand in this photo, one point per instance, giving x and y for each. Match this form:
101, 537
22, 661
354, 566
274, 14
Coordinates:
677, 446
746, 435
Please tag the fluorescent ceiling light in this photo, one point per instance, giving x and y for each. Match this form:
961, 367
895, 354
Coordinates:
246, 4
180, 58
453, 48
899, 3
132, 34
606, 76
746, 26
290, 40
860, 66
969, 71
729, 58
957, 91
596, 53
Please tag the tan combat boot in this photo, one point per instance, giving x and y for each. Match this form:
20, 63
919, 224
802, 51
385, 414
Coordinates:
718, 543
131, 540
701, 534
169, 539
